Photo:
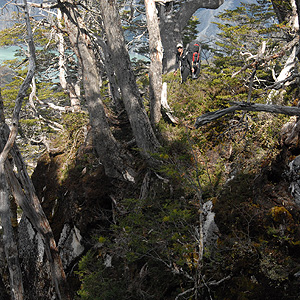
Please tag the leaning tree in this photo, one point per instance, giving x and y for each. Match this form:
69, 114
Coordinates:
16, 184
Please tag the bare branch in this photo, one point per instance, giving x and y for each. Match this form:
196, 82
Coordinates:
266, 59
277, 109
43, 5
6, 4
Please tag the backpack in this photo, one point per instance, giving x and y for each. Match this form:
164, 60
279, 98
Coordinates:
196, 50
196, 53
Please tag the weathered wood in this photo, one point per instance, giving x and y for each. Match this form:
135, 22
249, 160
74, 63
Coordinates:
107, 147
156, 56
10, 244
275, 109
165, 106
69, 85
138, 118
24, 192
22, 188
264, 60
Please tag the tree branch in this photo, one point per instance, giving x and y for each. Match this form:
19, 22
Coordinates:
277, 109
264, 60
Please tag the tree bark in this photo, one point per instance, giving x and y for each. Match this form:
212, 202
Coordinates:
277, 109
70, 87
22, 187
292, 16
107, 148
284, 74
156, 56
115, 94
286, 11
10, 244
139, 121
172, 24
24, 193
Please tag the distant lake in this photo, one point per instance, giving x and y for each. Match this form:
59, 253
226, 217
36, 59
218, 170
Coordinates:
7, 52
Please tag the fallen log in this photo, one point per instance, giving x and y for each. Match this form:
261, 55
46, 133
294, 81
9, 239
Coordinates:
276, 109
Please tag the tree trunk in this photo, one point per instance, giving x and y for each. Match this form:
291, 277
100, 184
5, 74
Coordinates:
22, 187
276, 109
70, 87
172, 24
115, 94
156, 56
106, 146
24, 193
10, 244
139, 121
286, 11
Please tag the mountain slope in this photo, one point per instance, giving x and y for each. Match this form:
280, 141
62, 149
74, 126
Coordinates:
207, 16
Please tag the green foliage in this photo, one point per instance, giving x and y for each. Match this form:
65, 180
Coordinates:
151, 249
99, 281
35, 119
150, 235
157, 233
243, 31
13, 35
74, 122
190, 32
70, 139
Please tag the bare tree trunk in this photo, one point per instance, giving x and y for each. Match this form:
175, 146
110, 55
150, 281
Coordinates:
293, 21
115, 94
9, 239
108, 149
10, 244
71, 87
156, 56
139, 121
24, 194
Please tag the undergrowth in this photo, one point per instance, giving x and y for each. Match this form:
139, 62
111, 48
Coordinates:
152, 249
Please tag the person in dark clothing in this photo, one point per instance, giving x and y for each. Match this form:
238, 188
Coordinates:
183, 62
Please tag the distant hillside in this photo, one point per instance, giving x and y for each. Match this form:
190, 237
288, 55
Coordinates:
5, 19
207, 16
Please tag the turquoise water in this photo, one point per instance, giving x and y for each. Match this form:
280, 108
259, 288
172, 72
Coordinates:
7, 52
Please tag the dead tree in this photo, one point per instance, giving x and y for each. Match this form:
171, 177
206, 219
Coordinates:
289, 131
277, 109
156, 56
22, 189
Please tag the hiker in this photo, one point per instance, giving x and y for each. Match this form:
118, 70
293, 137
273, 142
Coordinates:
195, 59
184, 63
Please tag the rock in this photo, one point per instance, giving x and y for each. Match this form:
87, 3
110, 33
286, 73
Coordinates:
210, 228
70, 246
293, 175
